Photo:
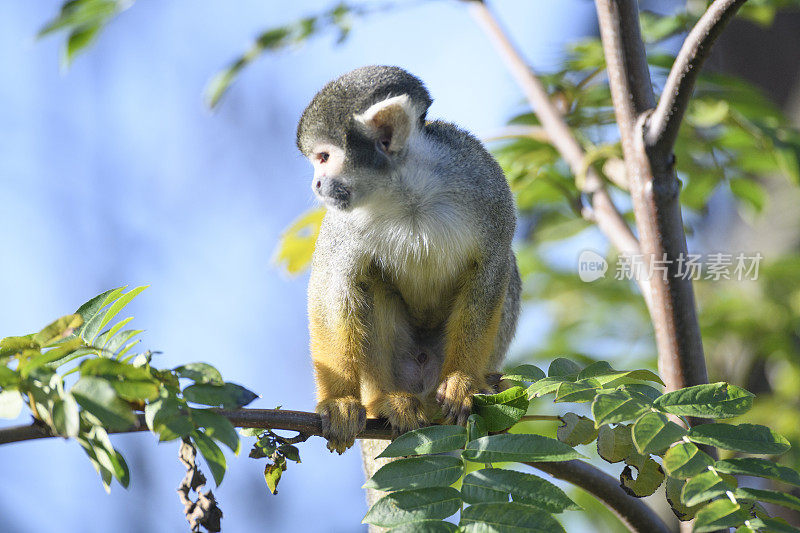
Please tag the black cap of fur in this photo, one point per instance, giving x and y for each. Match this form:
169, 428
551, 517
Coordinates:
329, 116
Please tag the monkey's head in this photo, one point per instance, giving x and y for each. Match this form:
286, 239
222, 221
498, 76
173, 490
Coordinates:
357, 129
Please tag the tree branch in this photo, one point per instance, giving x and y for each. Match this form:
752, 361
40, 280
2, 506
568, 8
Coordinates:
666, 120
626, 64
604, 213
655, 193
633, 511
300, 421
639, 518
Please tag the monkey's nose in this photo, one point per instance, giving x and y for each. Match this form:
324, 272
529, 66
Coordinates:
319, 184
422, 357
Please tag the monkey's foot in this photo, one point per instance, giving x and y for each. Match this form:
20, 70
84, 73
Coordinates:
455, 397
342, 420
404, 412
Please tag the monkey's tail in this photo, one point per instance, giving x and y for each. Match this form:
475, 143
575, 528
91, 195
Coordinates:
370, 449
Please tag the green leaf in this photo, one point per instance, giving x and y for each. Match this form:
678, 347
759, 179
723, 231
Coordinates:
99, 398
604, 374
426, 526
34, 359
715, 400
417, 473
63, 352
576, 430
116, 344
200, 373
118, 305
529, 373
502, 410
672, 489
165, 418
685, 460
476, 427
78, 40
229, 395
561, 367
577, 391
703, 487
57, 330
546, 386
251, 432
750, 192
217, 427
108, 335
106, 475
13, 345
496, 484
213, 93
90, 312
752, 466
290, 451
745, 438
707, 113
508, 517
131, 382
66, 416
109, 459
518, 447
11, 404
654, 433
717, 515
8, 378
649, 476
427, 440
770, 496
413, 505
773, 525
614, 444
617, 406
212, 454
272, 475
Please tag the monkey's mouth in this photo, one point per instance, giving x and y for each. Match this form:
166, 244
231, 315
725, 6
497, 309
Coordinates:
335, 194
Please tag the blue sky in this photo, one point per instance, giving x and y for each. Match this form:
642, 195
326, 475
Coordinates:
114, 173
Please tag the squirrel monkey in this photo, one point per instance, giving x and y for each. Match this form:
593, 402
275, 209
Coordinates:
414, 290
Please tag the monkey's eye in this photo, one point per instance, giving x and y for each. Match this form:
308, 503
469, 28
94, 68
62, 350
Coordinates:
323, 157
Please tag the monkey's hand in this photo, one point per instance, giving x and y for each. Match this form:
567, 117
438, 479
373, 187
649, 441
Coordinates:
342, 420
404, 412
454, 396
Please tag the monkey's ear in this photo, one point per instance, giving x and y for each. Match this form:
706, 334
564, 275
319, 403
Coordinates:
390, 122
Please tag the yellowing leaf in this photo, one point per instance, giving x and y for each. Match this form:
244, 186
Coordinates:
297, 242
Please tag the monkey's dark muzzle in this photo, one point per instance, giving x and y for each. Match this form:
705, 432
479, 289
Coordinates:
334, 193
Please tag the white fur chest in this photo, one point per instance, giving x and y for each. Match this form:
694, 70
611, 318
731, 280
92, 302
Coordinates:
417, 230
429, 239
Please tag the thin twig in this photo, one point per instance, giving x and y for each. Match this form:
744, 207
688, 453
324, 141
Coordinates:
663, 127
603, 211
634, 512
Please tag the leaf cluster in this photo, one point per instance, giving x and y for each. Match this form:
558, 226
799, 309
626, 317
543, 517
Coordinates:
276, 449
81, 379
631, 423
